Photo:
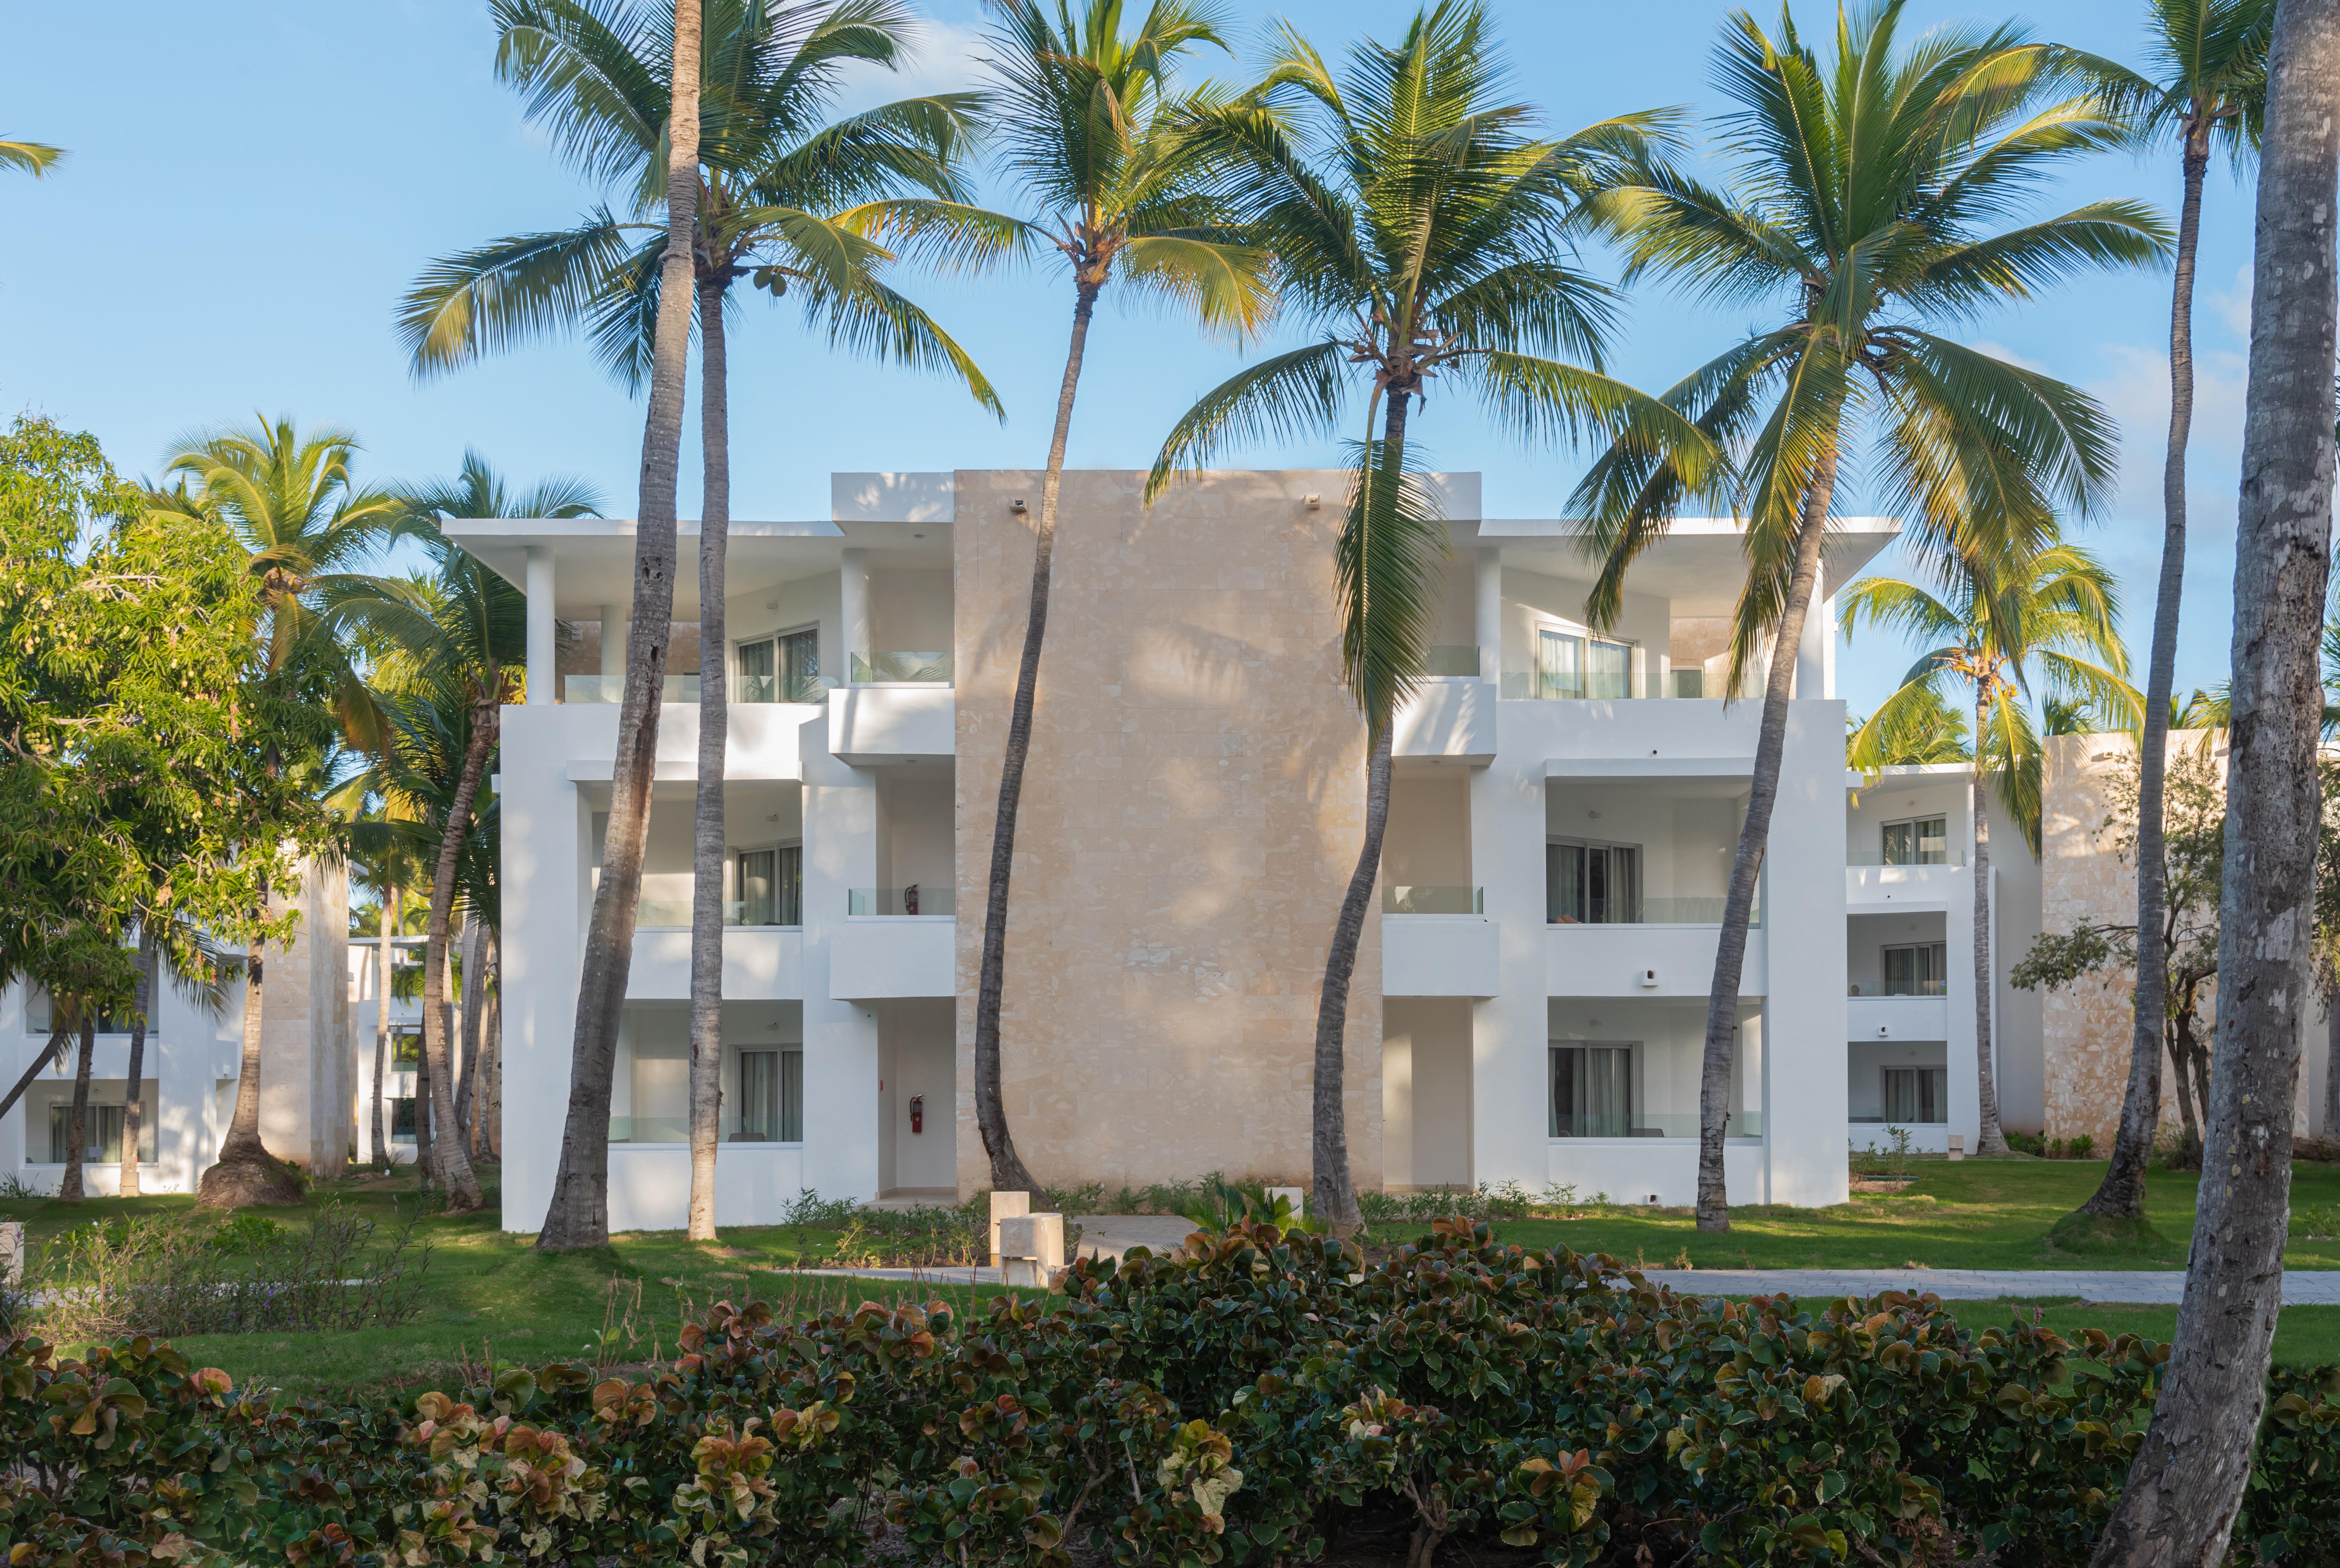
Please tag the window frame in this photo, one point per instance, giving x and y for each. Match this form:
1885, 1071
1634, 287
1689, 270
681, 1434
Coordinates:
1632, 898
1916, 839
1586, 639
1632, 1083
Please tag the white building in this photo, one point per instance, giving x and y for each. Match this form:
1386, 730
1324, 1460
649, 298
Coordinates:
1560, 837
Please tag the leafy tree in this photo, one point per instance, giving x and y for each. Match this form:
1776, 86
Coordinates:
1093, 128
787, 198
1864, 205
2048, 619
2193, 846
2186, 1484
1420, 222
2204, 90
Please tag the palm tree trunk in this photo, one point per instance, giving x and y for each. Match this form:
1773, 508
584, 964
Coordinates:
453, 1160
1747, 861
133, 1084
2186, 1484
2121, 1194
426, 1163
1007, 1170
578, 1212
707, 848
246, 1172
467, 1069
2332, 1066
78, 1122
384, 951
52, 1051
492, 1027
1990, 1139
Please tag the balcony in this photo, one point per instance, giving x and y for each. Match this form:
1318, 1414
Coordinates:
873, 725
898, 668
1921, 1018
1438, 942
759, 963
743, 689
887, 952
1450, 717
1926, 886
1647, 960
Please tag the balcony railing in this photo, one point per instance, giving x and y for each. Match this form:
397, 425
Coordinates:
730, 1130
1450, 663
1421, 900
1650, 1125
899, 669
914, 900
1908, 988
655, 914
686, 688
1652, 912
1873, 855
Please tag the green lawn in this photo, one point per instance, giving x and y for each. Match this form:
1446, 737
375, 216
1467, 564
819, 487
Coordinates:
1975, 1214
493, 1294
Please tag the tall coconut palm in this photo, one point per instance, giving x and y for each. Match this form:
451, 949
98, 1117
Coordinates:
786, 197
463, 653
2045, 619
2204, 91
1093, 126
1863, 209
1420, 222
2185, 1485
295, 503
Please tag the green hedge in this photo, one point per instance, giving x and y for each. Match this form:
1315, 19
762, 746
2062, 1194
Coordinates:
1233, 1403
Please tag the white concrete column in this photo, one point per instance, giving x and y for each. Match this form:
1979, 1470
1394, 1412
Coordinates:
541, 678
842, 1105
614, 624
1816, 653
1487, 584
853, 588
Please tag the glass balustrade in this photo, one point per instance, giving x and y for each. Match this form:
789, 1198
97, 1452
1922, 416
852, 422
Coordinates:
937, 901
674, 914
799, 688
1871, 855
1453, 662
1651, 912
1649, 1125
900, 668
1421, 900
612, 688
787, 1128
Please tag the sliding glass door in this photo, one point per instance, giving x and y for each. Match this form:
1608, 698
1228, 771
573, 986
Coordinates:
1568, 665
784, 669
1592, 884
1591, 1091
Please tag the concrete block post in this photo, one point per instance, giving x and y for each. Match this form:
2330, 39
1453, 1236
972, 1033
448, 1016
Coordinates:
1031, 1248
541, 641
1005, 1206
12, 1252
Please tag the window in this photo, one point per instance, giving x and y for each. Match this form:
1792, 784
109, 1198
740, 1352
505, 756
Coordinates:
1592, 884
785, 668
1569, 665
1688, 682
406, 1049
771, 1098
1591, 1091
101, 1129
771, 886
1920, 969
1914, 1095
1922, 841
39, 1017
402, 1119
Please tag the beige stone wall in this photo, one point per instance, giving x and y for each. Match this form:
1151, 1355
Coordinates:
1190, 819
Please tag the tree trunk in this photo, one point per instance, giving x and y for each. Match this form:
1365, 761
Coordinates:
2332, 1067
2122, 1193
1007, 1170
2181, 1072
491, 1027
708, 848
578, 1212
69, 1190
246, 1172
133, 1118
453, 1160
426, 1165
52, 1051
1336, 1189
385, 951
1747, 860
467, 1069
1988, 1139
2188, 1481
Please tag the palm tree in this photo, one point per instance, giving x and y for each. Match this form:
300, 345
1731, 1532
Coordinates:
2185, 1484
295, 503
1865, 202
787, 198
1924, 733
1419, 222
2207, 92
463, 658
1094, 126
35, 158
2046, 619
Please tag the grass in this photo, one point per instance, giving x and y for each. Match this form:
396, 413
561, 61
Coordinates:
493, 1295
1973, 1214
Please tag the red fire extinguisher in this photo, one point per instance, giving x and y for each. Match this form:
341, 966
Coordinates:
917, 1112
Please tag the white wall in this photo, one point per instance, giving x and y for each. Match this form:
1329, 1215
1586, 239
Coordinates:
909, 611
1532, 600
1898, 797
916, 830
1428, 843
919, 1058
1686, 842
1865, 1061
1426, 1092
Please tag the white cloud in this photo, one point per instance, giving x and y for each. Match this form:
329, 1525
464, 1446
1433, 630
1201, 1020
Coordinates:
944, 58
2137, 394
2233, 306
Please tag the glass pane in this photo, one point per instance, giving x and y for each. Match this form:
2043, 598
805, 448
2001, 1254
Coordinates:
1688, 682
1564, 884
1610, 674
760, 1098
1560, 665
787, 895
1900, 844
1900, 971
1624, 884
1933, 841
661, 1094
792, 1097
756, 674
756, 880
1593, 1092
800, 666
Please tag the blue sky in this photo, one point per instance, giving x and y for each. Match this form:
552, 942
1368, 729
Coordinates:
253, 186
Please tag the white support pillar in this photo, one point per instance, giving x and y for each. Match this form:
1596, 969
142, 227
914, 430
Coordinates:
1487, 584
853, 589
541, 678
614, 624
1816, 652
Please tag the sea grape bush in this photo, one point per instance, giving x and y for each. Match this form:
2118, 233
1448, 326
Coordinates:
1233, 1403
